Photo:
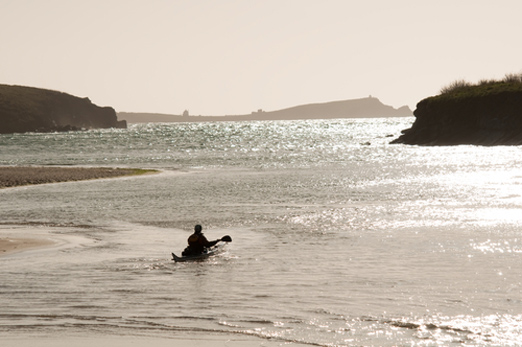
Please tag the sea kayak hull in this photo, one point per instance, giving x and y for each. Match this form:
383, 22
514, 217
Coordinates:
210, 252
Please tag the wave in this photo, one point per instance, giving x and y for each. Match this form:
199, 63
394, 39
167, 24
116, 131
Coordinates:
135, 326
501, 330
484, 330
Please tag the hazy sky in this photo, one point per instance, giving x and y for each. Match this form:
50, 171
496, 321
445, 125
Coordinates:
217, 57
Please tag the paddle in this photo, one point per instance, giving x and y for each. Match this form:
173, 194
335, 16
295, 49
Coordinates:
226, 238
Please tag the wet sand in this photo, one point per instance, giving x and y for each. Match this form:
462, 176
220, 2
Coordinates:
14, 245
13, 176
201, 340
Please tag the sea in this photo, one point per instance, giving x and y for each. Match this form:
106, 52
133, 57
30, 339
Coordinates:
339, 237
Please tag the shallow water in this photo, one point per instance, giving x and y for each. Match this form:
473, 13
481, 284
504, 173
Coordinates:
339, 239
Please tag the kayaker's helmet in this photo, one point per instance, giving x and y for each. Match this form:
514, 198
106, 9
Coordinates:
198, 229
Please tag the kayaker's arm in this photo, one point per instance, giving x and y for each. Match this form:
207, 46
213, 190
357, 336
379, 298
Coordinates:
212, 243
208, 243
225, 238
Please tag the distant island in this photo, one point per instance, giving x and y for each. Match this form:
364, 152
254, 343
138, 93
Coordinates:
487, 113
369, 107
28, 109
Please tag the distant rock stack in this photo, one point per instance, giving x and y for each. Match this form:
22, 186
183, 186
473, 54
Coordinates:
27, 109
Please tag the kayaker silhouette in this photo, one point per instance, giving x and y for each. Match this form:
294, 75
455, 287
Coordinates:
197, 242
199, 247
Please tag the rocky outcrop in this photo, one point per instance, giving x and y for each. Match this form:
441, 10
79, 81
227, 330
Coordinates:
480, 115
27, 109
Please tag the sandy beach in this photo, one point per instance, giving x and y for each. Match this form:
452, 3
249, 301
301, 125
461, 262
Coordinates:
13, 176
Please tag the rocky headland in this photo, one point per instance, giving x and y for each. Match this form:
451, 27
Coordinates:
488, 113
369, 107
28, 109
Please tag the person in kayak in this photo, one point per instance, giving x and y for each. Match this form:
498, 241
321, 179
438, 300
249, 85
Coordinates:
197, 242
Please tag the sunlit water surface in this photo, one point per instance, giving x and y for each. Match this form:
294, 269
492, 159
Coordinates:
339, 238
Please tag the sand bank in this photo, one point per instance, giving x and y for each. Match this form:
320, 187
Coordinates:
13, 245
12, 176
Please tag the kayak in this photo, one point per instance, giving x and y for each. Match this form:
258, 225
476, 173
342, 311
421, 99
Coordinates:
206, 254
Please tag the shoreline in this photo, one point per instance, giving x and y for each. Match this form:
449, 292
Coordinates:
16, 176
177, 340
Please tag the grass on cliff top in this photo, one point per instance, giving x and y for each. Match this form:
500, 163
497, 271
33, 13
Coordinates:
463, 89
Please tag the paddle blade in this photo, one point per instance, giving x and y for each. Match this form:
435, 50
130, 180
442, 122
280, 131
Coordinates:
226, 238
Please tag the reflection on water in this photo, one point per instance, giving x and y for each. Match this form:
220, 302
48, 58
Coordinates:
337, 242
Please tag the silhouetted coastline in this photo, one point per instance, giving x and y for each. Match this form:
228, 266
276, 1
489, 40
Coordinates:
488, 113
369, 107
28, 109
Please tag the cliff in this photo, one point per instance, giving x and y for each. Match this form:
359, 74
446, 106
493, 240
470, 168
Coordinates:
27, 109
486, 114
366, 107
